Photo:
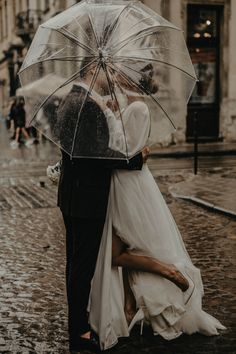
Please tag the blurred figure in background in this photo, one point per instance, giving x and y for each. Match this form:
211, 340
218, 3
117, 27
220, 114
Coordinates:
10, 120
20, 121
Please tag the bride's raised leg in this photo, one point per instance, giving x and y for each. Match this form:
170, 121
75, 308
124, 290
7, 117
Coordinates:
121, 257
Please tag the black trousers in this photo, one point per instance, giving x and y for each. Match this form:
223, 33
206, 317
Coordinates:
83, 238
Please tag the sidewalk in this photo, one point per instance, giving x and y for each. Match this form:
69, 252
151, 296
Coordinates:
213, 191
187, 150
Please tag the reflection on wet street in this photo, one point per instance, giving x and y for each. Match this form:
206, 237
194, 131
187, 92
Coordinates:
37, 152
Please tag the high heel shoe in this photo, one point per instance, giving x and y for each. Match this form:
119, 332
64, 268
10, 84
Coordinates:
138, 317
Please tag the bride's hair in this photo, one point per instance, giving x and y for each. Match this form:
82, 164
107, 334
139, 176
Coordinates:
147, 83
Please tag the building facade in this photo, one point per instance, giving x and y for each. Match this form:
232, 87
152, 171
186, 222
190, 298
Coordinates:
209, 27
19, 19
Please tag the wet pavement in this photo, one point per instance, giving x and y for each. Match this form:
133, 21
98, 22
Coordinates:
33, 313
215, 190
187, 149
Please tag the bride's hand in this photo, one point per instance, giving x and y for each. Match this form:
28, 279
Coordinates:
145, 153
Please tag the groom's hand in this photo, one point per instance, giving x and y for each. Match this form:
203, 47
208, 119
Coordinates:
145, 153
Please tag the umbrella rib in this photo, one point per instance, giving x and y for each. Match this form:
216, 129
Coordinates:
141, 88
150, 123
115, 24
75, 40
191, 91
108, 79
54, 59
158, 61
120, 114
140, 21
138, 35
156, 48
69, 80
91, 24
89, 39
94, 78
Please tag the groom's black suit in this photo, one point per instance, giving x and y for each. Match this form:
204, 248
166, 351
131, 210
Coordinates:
82, 197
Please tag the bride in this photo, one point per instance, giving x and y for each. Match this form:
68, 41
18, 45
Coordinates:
143, 273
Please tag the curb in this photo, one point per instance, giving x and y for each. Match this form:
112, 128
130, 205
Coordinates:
182, 154
207, 205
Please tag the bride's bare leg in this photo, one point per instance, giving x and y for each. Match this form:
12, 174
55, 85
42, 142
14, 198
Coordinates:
119, 247
130, 306
120, 257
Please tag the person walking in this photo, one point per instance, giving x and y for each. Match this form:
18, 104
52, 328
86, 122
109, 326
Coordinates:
12, 118
20, 121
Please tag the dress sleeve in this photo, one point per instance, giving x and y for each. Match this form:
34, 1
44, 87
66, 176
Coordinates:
116, 132
137, 126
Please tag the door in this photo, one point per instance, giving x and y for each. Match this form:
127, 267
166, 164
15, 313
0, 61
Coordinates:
204, 47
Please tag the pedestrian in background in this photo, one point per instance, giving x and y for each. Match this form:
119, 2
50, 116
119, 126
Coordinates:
10, 121
20, 121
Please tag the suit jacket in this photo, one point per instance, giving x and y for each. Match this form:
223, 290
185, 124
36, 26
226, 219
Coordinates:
84, 182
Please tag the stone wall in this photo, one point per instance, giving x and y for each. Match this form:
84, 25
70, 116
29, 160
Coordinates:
228, 107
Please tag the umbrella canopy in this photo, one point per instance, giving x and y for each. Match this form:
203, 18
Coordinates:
39, 87
120, 51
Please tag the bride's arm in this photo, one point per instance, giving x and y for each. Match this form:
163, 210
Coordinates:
137, 126
116, 132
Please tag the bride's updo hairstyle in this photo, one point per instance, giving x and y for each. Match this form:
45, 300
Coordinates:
147, 83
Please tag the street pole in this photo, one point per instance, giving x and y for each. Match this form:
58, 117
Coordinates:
195, 130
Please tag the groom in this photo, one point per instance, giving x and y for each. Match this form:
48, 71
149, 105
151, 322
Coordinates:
83, 196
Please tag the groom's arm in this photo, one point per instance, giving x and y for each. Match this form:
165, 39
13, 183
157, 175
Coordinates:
135, 163
111, 159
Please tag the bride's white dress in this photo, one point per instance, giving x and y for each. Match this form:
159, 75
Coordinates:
142, 219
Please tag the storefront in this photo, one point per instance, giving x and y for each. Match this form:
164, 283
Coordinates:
203, 39
209, 28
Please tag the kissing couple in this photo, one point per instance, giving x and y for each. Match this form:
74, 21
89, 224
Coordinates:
126, 262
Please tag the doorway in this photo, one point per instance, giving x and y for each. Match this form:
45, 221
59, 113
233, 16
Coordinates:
204, 47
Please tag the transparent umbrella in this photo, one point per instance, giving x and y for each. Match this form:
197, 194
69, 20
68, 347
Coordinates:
102, 60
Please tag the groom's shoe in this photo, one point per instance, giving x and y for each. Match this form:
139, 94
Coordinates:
91, 344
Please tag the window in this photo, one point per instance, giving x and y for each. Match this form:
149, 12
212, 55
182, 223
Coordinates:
202, 24
203, 46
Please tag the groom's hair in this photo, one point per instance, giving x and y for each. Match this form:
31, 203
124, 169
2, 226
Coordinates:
147, 82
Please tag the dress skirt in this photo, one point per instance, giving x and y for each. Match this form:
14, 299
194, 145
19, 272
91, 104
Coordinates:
141, 218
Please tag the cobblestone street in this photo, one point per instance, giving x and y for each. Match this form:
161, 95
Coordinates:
32, 255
